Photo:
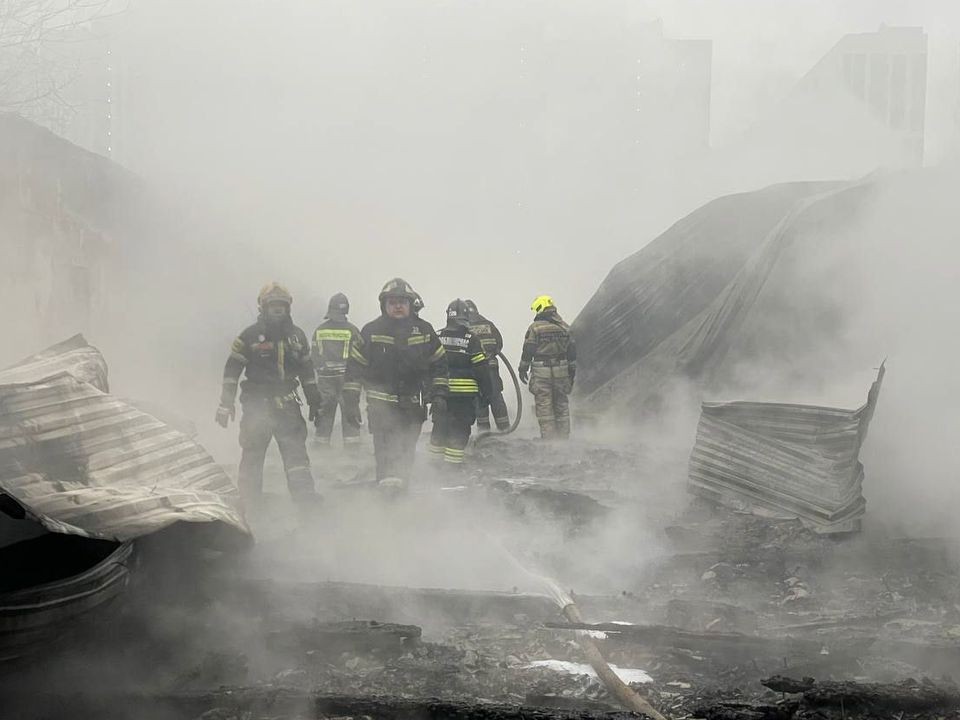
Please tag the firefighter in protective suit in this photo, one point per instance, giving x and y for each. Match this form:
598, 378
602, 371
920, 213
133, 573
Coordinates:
400, 364
275, 355
492, 342
549, 364
469, 380
330, 351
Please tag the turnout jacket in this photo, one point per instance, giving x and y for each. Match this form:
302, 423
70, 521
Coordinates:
330, 349
548, 341
393, 359
275, 358
467, 362
490, 339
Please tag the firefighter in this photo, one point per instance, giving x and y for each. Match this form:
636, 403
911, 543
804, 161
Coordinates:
330, 350
492, 342
470, 379
551, 355
401, 365
275, 355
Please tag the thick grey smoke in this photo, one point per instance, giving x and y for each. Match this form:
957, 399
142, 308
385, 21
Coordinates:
485, 150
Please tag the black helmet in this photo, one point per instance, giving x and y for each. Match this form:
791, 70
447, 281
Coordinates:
339, 305
472, 311
457, 313
398, 287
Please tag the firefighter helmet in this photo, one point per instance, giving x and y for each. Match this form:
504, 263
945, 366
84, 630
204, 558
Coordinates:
338, 305
417, 303
273, 292
457, 312
542, 303
472, 312
398, 287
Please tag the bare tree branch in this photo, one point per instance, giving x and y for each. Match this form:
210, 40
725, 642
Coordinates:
33, 73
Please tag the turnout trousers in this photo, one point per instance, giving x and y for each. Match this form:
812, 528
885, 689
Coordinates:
395, 429
451, 428
496, 403
331, 391
263, 420
550, 384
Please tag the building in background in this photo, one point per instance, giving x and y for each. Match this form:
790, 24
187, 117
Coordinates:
886, 73
63, 220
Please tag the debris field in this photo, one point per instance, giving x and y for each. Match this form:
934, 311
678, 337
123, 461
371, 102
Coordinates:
707, 612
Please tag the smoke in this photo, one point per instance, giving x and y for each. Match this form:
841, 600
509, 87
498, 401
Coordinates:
478, 150
876, 282
493, 151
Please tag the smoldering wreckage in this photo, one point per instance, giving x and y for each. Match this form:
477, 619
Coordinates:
135, 588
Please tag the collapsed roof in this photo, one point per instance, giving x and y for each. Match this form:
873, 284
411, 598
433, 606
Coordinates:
675, 307
80, 461
794, 294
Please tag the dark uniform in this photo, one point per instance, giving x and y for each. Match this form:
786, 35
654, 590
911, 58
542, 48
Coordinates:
549, 351
401, 365
276, 358
330, 351
492, 342
469, 380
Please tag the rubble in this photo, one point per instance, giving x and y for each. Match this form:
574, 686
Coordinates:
728, 599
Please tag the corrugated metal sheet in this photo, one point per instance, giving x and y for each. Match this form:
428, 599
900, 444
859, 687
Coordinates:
84, 462
35, 617
793, 460
674, 310
650, 294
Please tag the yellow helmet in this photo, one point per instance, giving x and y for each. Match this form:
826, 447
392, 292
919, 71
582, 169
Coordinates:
273, 292
542, 303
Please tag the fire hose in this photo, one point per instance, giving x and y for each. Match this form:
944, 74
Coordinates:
629, 698
516, 420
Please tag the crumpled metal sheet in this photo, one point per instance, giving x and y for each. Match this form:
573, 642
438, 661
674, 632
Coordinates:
34, 618
789, 460
84, 462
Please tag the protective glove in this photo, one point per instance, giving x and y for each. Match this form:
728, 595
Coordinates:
314, 415
438, 406
524, 375
225, 414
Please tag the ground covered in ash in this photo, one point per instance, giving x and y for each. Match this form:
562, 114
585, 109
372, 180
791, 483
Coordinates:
420, 605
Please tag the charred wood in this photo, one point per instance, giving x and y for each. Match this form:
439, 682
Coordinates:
908, 695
